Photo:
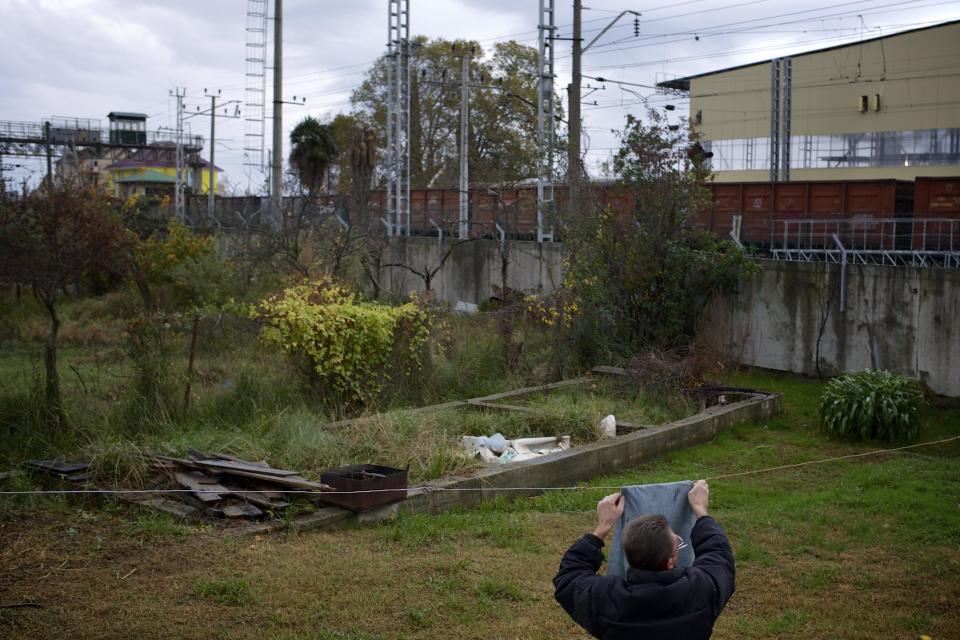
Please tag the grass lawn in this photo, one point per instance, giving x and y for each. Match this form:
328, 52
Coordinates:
862, 548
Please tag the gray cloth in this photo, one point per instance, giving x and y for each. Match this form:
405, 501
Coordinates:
669, 500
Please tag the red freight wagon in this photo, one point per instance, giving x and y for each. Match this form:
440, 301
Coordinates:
936, 214
821, 201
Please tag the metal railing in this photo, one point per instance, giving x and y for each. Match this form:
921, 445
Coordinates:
60, 133
920, 242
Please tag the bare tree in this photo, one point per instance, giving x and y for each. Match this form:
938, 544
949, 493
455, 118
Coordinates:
48, 241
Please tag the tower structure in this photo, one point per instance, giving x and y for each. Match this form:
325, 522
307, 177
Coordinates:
398, 118
546, 123
256, 85
179, 195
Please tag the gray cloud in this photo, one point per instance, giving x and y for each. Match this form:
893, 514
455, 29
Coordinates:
87, 57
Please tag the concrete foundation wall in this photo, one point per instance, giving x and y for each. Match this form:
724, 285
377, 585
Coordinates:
788, 317
472, 269
562, 469
601, 458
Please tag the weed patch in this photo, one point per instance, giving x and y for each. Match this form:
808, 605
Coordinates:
233, 591
493, 589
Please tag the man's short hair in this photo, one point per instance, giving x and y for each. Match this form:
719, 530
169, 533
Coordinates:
648, 542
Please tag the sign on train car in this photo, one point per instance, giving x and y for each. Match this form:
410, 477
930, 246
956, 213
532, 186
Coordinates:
936, 215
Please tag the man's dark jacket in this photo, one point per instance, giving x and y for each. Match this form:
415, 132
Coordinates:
674, 604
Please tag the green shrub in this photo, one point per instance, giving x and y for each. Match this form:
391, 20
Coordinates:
871, 404
352, 347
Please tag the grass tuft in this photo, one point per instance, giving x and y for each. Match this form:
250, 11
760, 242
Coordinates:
233, 591
493, 589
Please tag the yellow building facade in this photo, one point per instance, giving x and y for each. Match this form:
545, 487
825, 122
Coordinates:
887, 107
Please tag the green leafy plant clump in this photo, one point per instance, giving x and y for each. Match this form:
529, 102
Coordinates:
352, 347
231, 591
871, 404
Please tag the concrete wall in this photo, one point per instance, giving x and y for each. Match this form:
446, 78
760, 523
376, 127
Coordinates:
473, 268
562, 469
788, 317
578, 464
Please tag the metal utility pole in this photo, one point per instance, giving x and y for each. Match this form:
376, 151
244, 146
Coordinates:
546, 122
211, 191
46, 136
211, 201
786, 111
179, 205
398, 118
464, 229
574, 170
276, 192
574, 166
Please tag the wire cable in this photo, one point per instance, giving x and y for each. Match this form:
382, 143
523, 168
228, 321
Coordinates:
426, 488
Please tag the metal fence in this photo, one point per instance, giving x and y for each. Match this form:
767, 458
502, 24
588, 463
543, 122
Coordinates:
81, 132
921, 242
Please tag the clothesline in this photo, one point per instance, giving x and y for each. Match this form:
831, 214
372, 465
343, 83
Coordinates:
426, 488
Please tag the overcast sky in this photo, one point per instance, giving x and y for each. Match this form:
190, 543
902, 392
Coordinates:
85, 58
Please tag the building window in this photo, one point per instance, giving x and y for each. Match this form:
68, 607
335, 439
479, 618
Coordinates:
925, 147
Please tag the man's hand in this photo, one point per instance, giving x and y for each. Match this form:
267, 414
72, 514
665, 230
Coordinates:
609, 511
698, 497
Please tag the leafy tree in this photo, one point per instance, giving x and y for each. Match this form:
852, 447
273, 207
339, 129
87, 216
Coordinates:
167, 255
313, 151
503, 116
646, 277
48, 241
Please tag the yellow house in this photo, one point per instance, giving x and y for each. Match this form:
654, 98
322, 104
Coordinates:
886, 107
152, 172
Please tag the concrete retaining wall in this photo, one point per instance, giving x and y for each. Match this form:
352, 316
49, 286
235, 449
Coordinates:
473, 268
601, 458
788, 317
561, 469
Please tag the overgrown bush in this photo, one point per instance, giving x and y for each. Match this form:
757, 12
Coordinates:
674, 370
871, 404
647, 277
351, 347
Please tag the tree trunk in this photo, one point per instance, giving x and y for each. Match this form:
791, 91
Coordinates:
149, 306
193, 352
54, 403
510, 359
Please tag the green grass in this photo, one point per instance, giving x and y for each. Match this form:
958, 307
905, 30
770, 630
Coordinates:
250, 401
875, 535
493, 589
234, 591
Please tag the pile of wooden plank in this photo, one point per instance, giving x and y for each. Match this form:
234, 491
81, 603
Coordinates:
66, 470
223, 486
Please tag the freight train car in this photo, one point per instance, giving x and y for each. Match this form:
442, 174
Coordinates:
865, 214
764, 209
936, 214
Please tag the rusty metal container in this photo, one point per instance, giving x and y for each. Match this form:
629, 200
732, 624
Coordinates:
762, 204
936, 218
385, 484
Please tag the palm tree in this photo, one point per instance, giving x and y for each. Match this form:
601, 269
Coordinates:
313, 150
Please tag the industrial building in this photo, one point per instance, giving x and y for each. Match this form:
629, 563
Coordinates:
131, 164
881, 108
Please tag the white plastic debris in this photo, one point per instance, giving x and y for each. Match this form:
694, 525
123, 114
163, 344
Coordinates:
496, 448
609, 427
465, 307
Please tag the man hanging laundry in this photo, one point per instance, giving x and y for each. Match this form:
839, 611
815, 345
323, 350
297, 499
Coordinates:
656, 598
